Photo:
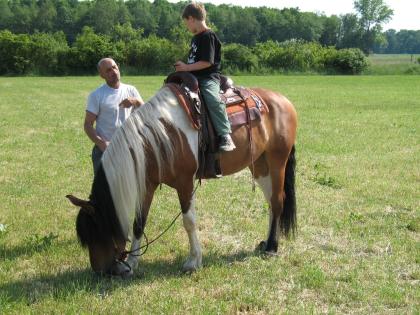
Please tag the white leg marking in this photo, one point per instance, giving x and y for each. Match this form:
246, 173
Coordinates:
265, 184
194, 260
133, 258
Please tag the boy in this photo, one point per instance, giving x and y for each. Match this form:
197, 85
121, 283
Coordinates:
204, 62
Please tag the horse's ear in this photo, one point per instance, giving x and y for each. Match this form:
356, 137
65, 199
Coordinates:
83, 204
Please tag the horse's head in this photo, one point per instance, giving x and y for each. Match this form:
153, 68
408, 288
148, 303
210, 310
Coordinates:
94, 232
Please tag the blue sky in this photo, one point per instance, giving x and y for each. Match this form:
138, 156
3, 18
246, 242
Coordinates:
406, 12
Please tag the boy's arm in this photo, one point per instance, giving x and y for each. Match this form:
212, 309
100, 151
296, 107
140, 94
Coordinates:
181, 66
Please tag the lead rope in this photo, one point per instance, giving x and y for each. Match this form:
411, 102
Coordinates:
146, 246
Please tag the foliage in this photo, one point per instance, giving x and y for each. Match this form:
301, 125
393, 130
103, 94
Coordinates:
372, 14
237, 57
43, 53
234, 24
303, 56
152, 55
15, 53
347, 61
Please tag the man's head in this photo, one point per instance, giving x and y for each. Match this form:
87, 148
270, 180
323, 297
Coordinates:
109, 71
194, 16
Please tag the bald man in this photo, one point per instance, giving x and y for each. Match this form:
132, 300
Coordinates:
108, 107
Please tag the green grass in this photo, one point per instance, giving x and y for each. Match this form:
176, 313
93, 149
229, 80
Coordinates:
357, 249
392, 64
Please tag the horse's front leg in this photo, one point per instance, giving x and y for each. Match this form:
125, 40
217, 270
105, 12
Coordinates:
187, 200
138, 229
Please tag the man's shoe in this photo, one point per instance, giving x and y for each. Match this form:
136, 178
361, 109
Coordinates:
226, 144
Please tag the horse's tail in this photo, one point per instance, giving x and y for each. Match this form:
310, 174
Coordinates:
288, 217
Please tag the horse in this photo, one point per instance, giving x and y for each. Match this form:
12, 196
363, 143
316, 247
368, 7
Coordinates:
157, 145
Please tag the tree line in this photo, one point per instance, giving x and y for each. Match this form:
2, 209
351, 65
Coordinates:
69, 33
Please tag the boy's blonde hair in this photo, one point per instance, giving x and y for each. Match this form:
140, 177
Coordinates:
195, 10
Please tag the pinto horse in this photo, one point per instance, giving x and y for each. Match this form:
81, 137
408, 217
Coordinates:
156, 145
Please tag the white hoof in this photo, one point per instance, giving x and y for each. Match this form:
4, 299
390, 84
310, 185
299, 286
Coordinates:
191, 265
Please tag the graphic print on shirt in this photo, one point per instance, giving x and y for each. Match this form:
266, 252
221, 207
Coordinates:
193, 53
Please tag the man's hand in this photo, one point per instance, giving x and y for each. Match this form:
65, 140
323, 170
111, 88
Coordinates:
102, 145
180, 66
130, 101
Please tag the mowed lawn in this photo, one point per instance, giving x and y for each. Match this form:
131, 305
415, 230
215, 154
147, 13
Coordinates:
357, 247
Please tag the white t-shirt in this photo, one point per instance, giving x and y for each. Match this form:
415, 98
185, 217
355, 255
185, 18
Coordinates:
104, 103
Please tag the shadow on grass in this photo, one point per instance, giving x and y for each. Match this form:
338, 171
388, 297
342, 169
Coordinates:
74, 282
31, 247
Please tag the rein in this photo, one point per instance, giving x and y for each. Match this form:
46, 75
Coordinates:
124, 253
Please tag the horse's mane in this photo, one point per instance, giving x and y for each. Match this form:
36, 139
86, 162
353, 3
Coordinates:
124, 160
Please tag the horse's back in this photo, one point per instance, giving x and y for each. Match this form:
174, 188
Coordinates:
275, 132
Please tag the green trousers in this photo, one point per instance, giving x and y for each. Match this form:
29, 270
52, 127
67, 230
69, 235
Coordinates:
210, 91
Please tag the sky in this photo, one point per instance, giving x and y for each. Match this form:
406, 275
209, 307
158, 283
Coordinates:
406, 12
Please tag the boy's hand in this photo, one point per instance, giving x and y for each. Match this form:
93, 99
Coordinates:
180, 66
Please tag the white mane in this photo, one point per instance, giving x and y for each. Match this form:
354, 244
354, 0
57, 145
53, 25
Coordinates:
124, 160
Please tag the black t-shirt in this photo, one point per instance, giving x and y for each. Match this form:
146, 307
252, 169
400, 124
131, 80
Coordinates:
206, 47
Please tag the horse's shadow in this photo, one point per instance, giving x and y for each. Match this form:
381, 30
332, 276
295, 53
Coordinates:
71, 282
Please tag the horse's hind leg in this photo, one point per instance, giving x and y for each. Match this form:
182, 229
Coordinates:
187, 200
269, 174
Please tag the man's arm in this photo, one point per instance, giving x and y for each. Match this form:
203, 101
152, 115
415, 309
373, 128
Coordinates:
90, 119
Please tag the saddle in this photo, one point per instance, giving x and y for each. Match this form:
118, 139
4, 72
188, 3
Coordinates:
243, 106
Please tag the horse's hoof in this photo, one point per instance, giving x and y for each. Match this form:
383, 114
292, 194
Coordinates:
261, 246
189, 268
271, 253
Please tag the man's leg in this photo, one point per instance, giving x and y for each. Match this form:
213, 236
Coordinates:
96, 158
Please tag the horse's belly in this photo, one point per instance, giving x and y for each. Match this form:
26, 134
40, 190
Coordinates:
240, 158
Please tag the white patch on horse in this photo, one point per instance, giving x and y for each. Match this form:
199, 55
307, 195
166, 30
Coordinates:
266, 187
181, 121
124, 159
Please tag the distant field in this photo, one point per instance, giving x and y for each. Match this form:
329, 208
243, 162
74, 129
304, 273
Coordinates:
394, 64
357, 249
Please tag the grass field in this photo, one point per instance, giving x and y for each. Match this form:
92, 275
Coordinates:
382, 64
357, 248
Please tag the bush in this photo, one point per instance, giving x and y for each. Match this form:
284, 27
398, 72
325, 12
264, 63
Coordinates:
48, 51
237, 57
15, 53
152, 55
291, 55
88, 49
348, 61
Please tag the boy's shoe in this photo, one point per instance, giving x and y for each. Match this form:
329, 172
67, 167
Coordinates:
226, 143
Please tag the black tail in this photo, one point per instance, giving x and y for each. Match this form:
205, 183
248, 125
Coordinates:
288, 217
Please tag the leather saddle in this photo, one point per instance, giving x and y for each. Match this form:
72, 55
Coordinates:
237, 99
243, 106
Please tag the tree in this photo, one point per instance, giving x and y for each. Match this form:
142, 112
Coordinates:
372, 14
350, 32
330, 31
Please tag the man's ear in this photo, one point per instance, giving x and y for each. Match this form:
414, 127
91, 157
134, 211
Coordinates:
84, 204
